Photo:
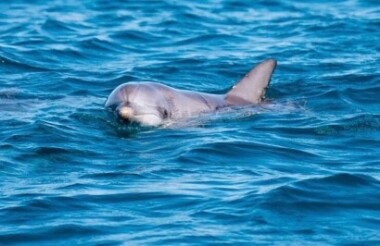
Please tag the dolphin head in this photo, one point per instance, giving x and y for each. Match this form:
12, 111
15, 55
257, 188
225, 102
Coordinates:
138, 103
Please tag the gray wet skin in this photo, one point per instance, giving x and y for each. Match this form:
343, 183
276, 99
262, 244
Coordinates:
153, 104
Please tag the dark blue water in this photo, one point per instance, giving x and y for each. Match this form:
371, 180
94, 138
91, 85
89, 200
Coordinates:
305, 170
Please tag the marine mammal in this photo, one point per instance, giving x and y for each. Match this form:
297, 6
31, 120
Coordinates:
153, 104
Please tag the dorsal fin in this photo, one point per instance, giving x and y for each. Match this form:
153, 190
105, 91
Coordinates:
251, 88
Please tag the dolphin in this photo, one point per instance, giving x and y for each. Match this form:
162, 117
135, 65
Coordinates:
154, 104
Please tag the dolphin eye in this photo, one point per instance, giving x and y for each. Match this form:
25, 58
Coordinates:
165, 114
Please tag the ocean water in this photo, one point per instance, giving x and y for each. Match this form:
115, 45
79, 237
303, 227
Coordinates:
302, 170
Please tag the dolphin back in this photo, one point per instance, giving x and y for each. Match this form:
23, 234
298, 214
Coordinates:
251, 88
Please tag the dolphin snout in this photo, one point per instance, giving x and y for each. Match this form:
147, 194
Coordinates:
125, 112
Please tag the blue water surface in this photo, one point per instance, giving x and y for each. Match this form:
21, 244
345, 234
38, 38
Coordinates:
304, 170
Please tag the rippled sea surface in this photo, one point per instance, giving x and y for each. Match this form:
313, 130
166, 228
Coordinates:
303, 170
